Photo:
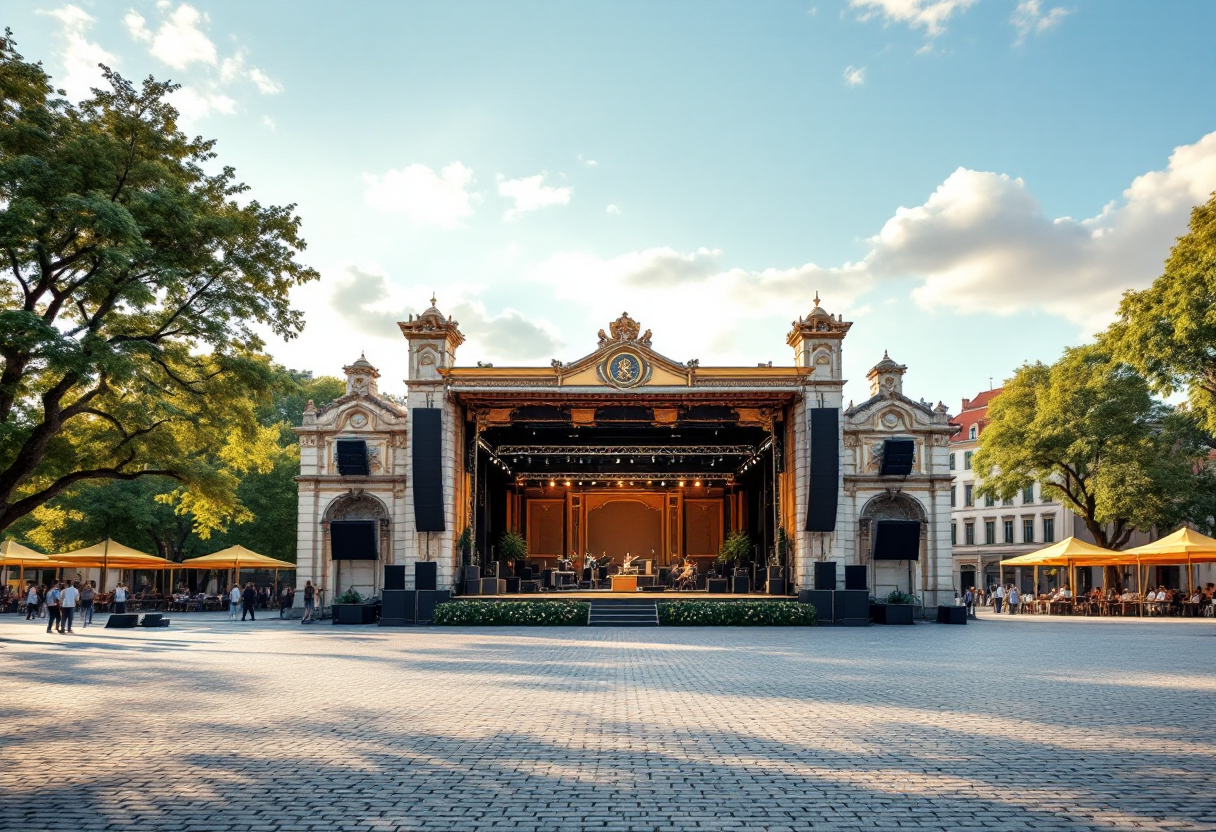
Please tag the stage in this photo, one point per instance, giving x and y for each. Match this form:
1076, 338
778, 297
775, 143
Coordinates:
609, 595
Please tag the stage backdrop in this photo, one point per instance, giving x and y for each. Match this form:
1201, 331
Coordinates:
628, 523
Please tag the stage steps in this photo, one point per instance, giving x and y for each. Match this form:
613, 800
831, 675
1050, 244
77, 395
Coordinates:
619, 612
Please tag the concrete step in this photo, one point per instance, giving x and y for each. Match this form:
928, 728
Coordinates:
623, 613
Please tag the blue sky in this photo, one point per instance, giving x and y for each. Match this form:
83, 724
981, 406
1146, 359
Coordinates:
974, 183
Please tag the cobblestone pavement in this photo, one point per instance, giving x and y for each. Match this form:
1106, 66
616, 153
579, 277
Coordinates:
1004, 724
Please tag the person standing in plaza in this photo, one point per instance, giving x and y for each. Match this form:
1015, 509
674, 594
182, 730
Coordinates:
67, 606
32, 600
234, 600
120, 598
998, 597
287, 600
52, 607
1013, 599
969, 602
250, 599
86, 604
310, 602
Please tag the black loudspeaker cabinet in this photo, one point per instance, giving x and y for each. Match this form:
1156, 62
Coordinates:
741, 585
122, 621
821, 600
825, 574
152, 619
397, 607
493, 586
472, 587
851, 608
428, 599
394, 577
776, 586
426, 575
855, 577
718, 586
471, 573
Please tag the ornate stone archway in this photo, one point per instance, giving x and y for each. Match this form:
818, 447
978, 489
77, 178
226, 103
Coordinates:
363, 576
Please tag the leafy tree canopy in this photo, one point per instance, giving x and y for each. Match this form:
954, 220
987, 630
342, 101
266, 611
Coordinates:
132, 281
1088, 430
1168, 331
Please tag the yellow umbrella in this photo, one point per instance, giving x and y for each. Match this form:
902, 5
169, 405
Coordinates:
109, 553
235, 557
1059, 554
1183, 546
13, 553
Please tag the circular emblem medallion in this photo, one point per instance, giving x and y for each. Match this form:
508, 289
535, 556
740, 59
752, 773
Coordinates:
624, 370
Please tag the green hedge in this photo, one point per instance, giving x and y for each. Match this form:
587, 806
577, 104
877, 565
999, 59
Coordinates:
499, 613
736, 614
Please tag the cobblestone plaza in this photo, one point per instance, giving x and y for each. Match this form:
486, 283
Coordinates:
1006, 723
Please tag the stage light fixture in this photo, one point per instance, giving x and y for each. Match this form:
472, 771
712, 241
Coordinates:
552, 483
567, 482
593, 482
620, 484
697, 483
681, 483
618, 460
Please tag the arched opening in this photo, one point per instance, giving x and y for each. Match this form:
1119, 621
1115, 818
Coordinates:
889, 575
361, 573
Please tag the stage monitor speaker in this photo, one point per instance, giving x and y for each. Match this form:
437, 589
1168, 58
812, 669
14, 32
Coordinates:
775, 586
151, 619
824, 483
427, 457
825, 575
821, 600
352, 540
352, 457
741, 585
394, 577
470, 573
851, 608
897, 457
472, 587
493, 586
897, 540
397, 607
122, 621
664, 575
855, 577
718, 586
426, 575
428, 599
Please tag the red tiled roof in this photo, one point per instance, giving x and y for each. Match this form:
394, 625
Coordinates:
974, 412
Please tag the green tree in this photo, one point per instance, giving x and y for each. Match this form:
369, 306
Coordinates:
1167, 332
1090, 433
133, 281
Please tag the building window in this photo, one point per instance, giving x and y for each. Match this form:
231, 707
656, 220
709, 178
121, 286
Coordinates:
968, 495
990, 532
967, 460
1008, 501
969, 534
1008, 531
954, 534
953, 495
971, 433
1028, 530
989, 500
1028, 494
1049, 530
951, 462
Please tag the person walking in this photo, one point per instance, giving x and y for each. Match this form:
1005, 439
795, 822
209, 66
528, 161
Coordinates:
287, 600
32, 600
120, 597
87, 596
250, 599
52, 607
998, 597
67, 606
234, 600
310, 602
1014, 599
969, 602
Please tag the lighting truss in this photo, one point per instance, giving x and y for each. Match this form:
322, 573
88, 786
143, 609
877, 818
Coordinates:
663, 479
623, 450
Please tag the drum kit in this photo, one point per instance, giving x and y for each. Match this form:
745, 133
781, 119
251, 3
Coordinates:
684, 576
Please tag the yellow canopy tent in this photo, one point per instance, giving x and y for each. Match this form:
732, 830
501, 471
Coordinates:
1071, 552
110, 553
1183, 546
237, 558
13, 553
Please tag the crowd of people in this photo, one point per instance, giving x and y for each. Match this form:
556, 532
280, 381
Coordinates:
1009, 600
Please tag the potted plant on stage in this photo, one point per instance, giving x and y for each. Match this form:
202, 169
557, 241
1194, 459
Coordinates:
732, 551
897, 608
351, 607
514, 549
776, 565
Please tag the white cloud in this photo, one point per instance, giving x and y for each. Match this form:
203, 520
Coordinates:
587, 162
424, 196
982, 243
80, 56
854, 76
195, 104
614, 210
268, 122
178, 41
1029, 18
530, 194
930, 15
265, 84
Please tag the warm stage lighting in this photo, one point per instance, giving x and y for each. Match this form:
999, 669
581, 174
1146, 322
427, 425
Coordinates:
681, 483
552, 483
697, 483
567, 482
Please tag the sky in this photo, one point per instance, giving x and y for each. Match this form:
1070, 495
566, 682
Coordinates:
973, 183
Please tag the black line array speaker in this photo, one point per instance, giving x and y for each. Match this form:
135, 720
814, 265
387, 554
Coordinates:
897, 457
352, 457
825, 575
426, 575
352, 540
855, 577
397, 607
428, 599
897, 540
427, 457
394, 577
824, 484
122, 621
